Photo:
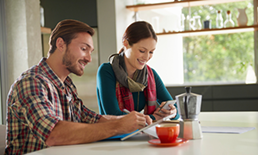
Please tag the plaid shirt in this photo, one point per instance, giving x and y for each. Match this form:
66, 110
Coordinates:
36, 102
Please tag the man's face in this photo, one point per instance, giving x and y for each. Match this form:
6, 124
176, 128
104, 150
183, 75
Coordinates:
78, 53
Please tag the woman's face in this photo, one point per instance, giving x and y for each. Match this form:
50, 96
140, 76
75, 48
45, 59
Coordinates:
137, 55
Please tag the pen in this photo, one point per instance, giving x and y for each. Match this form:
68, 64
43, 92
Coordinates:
127, 111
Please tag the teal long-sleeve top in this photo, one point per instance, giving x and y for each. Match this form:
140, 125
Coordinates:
106, 93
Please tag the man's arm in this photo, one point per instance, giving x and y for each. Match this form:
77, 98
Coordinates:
67, 133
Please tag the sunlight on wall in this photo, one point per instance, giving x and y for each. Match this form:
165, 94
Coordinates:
168, 59
250, 76
168, 56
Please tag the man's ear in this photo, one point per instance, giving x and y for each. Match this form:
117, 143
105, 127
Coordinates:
60, 44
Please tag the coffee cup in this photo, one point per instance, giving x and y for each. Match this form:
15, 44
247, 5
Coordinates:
167, 132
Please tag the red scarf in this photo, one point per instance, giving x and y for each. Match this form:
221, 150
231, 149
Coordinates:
125, 97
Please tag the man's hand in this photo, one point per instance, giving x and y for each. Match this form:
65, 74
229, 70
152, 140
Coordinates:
133, 121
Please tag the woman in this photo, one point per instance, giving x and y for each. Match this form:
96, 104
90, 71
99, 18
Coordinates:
126, 82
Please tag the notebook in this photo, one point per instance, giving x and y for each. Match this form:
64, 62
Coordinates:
147, 127
119, 137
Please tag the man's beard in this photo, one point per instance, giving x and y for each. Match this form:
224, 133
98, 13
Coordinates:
68, 59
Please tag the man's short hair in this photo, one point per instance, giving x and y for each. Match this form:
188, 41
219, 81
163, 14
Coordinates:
68, 30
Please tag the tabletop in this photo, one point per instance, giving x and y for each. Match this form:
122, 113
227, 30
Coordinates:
210, 144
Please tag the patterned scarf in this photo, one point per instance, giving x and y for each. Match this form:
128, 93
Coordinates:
143, 80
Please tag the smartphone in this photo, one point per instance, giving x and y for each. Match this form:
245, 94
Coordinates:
165, 106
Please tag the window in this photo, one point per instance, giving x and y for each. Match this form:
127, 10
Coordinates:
221, 58
208, 59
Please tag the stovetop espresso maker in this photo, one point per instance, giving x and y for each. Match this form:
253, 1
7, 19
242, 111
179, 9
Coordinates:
189, 106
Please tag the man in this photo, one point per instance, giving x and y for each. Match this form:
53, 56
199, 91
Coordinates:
43, 107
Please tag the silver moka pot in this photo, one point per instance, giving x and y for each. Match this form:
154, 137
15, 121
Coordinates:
189, 107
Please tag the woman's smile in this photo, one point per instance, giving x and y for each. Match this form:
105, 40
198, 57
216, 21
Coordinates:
141, 62
137, 55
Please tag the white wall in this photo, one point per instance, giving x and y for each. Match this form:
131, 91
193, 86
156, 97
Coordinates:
23, 47
124, 18
113, 19
3, 62
168, 56
107, 29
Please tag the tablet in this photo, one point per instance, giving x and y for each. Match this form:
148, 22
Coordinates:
153, 124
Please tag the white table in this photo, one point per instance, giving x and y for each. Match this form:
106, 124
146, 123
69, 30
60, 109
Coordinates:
211, 144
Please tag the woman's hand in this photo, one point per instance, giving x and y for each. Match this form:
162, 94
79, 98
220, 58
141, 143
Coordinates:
161, 113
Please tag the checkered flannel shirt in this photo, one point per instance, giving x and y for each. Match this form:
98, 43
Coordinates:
36, 102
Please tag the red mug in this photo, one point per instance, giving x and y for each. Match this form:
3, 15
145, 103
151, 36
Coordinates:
167, 132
